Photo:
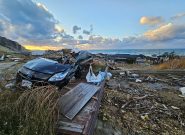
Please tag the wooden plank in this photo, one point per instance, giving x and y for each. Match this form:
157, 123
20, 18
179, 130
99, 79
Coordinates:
74, 100
72, 127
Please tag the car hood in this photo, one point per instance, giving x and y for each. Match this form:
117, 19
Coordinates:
46, 66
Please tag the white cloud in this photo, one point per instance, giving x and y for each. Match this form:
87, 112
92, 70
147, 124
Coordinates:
40, 5
59, 28
151, 20
163, 32
167, 32
29, 21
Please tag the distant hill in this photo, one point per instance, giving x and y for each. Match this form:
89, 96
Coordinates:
7, 45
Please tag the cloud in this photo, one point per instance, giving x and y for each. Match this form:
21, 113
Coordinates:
151, 20
166, 32
178, 16
29, 22
86, 32
163, 32
59, 28
42, 6
75, 29
165, 36
80, 37
91, 28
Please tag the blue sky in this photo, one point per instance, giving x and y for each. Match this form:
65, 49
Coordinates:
112, 18
94, 24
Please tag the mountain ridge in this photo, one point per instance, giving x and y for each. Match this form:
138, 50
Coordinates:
11, 45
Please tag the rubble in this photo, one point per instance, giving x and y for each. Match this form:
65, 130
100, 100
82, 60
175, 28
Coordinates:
144, 103
135, 103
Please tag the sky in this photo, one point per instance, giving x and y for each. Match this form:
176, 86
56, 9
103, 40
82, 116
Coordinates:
94, 24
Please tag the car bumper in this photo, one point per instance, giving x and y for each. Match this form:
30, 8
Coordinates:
38, 82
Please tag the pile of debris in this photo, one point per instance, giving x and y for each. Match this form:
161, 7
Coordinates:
147, 104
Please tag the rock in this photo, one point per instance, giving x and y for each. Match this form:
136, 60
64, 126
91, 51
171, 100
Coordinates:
182, 89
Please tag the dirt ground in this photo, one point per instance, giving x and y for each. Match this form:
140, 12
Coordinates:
8, 72
6, 65
153, 106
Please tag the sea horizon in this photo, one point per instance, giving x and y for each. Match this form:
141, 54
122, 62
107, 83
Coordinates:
147, 52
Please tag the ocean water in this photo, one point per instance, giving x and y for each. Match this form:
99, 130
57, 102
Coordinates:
146, 52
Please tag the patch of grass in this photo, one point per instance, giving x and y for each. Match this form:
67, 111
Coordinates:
32, 112
172, 64
8, 118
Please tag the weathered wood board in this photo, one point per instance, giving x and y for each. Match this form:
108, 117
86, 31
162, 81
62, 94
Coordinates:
73, 101
72, 127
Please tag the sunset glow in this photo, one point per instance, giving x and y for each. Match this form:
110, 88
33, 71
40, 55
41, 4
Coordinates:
42, 48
